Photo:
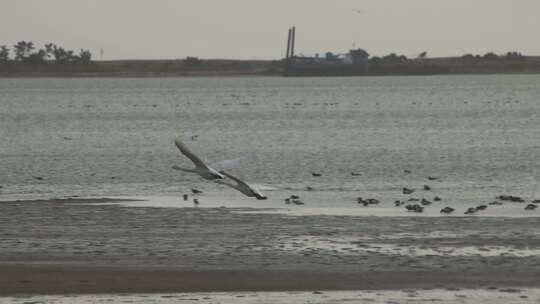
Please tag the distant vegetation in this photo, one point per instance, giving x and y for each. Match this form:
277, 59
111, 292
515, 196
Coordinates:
493, 56
394, 64
394, 58
193, 62
421, 64
24, 59
25, 53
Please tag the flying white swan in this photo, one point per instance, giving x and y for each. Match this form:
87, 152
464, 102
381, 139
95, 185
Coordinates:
201, 168
241, 186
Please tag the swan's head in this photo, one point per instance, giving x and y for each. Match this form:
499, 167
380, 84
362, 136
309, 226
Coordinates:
260, 196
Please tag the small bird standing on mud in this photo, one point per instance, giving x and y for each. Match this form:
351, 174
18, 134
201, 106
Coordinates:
407, 190
447, 210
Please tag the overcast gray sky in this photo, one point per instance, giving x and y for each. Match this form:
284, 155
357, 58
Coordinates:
253, 29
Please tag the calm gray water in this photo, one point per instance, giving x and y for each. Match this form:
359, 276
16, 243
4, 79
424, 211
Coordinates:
479, 134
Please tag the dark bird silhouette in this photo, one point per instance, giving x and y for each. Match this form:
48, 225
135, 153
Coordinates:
425, 202
367, 202
414, 208
407, 190
471, 211
531, 207
447, 210
510, 198
297, 202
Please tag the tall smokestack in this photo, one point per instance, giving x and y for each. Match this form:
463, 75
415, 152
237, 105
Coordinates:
293, 40
288, 44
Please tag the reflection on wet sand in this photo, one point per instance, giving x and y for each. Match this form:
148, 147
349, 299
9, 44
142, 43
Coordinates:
359, 246
147, 243
492, 295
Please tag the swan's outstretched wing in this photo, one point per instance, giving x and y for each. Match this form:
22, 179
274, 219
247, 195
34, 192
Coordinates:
187, 152
249, 190
234, 178
232, 163
238, 185
242, 187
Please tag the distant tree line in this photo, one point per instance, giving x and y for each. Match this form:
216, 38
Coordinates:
493, 56
25, 53
391, 58
395, 59
193, 61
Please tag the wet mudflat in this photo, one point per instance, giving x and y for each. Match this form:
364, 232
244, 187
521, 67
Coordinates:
445, 296
70, 246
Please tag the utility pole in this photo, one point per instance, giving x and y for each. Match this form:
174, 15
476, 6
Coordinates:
288, 45
293, 40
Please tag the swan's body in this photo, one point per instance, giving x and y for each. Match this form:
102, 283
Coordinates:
201, 167
241, 186
212, 171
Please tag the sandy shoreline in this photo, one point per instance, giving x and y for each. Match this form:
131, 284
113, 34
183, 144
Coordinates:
74, 246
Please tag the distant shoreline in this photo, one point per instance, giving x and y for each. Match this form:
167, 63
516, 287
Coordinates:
144, 69
261, 68
128, 75
228, 74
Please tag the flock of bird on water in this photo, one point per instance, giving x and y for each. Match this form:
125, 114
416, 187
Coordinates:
224, 178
